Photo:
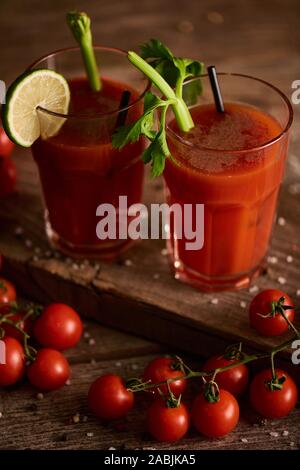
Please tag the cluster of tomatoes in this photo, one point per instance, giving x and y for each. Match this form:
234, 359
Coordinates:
33, 339
215, 410
8, 173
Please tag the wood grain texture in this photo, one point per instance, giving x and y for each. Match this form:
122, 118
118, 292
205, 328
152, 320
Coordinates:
252, 37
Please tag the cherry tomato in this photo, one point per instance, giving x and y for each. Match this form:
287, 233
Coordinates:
162, 369
233, 380
49, 371
59, 327
273, 403
264, 303
6, 145
167, 424
13, 369
215, 419
18, 317
8, 176
7, 291
108, 397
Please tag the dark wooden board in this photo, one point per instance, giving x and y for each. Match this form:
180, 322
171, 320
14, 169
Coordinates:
252, 37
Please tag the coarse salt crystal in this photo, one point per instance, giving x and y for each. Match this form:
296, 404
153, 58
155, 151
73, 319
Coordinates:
111, 448
253, 289
86, 334
164, 251
28, 243
40, 396
274, 434
118, 364
68, 382
243, 304
156, 276
272, 259
1, 415
244, 440
289, 259
281, 221
281, 280
215, 17
19, 231
128, 262
285, 433
214, 301
75, 266
92, 342
298, 293
90, 434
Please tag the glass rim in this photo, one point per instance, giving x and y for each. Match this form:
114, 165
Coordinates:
95, 115
239, 151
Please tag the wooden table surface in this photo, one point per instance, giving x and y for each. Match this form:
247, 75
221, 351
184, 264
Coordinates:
254, 37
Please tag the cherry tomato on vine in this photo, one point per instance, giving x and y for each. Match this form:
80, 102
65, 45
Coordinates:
218, 418
16, 317
6, 145
233, 380
49, 371
162, 369
166, 423
59, 327
13, 369
108, 397
273, 401
271, 302
7, 291
8, 176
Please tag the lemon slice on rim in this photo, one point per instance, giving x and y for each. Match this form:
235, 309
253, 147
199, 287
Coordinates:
38, 88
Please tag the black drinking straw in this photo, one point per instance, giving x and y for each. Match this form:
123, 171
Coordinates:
213, 78
122, 114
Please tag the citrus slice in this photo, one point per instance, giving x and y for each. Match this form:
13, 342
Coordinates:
23, 117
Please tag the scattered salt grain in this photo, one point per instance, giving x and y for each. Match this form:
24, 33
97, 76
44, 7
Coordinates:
243, 304
289, 259
274, 434
215, 17
281, 221
1, 414
164, 251
86, 334
253, 289
92, 342
285, 433
97, 266
292, 444
134, 366
118, 364
111, 448
156, 276
75, 266
39, 396
214, 301
294, 188
244, 440
281, 280
28, 243
185, 26
272, 259
298, 293
68, 382
128, 262
76, 418
90, 434
19, 231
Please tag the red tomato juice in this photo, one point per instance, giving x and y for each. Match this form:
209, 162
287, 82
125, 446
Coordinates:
227, 166
79, 169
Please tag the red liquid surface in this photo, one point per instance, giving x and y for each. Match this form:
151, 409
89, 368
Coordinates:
239, 190
79, 169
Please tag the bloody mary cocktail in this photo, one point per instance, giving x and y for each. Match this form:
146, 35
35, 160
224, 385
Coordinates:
233, 163
78, 167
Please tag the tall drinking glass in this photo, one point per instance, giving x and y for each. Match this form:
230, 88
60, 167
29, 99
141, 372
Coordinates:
78, 167
233, 163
